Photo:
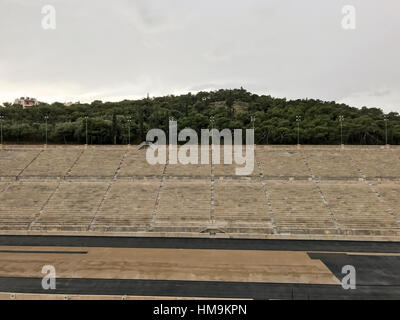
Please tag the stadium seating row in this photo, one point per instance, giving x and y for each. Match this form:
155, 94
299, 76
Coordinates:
249, 207
321, 163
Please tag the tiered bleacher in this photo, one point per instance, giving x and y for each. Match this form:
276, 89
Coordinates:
390, 192
136, 165
52, 163
307, 190
98, 162
14, 161
184, 206
241, 207
21, 202
282, 163
72, 207
297, 207
222, 169
377, 163
358, 209
129, 207
331, 164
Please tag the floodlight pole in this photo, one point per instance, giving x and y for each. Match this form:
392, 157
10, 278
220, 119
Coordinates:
212, 120
86, 118
385, 118
129, 131
298, 119
341, 119
253, 120
46, 118
1, 128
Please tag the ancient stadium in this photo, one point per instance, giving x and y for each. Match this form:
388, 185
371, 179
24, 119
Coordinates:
115, 226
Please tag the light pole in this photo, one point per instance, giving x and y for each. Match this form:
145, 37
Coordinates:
1, 128
385, 118
46, 118
341, 119
212, 121
86, 118
298, 119
253, 120
129, 130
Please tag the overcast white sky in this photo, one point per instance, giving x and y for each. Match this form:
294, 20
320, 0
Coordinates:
122, 49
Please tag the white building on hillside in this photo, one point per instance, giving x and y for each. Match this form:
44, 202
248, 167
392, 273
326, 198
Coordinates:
26, 102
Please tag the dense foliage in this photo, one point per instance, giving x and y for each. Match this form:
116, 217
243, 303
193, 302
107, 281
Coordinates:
275, 122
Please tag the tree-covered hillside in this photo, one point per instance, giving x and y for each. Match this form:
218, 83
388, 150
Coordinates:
275, 119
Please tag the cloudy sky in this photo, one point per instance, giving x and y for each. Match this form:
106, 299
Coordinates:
122, 49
